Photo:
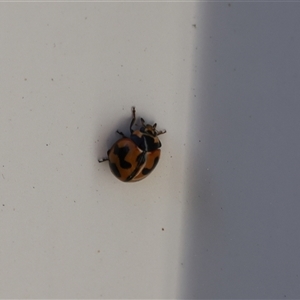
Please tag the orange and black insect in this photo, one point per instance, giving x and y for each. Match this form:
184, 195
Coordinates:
134, 158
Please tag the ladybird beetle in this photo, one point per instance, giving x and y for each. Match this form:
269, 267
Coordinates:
133, 158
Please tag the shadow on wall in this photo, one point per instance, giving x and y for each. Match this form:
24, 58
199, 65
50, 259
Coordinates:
242, 204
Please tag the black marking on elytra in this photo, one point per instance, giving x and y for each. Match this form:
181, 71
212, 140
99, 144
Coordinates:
140, 161
114, 169
129, 178
132, 175
121, 153
146, 171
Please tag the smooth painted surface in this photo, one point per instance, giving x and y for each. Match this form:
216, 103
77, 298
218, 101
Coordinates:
218, 218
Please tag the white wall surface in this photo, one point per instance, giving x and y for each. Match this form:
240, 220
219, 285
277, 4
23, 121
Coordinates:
218, 218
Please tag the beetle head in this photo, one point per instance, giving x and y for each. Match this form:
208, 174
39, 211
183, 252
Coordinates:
148, 129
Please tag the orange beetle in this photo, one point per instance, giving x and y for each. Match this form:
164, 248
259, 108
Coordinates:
134, 158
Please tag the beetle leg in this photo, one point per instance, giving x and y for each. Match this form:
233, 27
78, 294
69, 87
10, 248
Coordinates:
102, 159
161, 132
121, 133
133, 119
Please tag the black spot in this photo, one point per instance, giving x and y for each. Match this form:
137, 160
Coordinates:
146, 171
114, 169
129, 178
140, 159
121, 153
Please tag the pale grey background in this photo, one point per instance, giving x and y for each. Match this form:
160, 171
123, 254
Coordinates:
219, 217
